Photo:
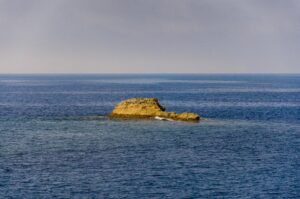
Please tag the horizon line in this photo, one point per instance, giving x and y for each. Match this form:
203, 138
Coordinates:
156, 73
87, 74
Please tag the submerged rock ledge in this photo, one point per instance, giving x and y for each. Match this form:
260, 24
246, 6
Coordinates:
148, 108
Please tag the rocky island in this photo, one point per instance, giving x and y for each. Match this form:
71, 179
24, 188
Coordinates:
148, 108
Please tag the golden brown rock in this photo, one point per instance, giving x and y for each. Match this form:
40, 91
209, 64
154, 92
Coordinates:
188, 116
148, 108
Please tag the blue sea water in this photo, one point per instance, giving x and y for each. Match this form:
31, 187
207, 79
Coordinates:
55, 141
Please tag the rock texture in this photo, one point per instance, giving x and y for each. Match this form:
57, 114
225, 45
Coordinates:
148, 108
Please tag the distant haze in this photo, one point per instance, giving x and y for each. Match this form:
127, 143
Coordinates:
149, 36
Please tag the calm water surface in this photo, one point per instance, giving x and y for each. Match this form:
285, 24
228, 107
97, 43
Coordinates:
55, 142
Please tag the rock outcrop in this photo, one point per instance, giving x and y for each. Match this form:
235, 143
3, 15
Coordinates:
148, 108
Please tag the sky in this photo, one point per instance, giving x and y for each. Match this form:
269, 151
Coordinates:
150, 36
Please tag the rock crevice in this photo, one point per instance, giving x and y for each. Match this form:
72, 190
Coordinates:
148, 108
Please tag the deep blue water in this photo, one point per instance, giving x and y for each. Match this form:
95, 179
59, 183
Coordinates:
54, 145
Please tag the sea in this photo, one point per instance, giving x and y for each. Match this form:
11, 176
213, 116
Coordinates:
56, 140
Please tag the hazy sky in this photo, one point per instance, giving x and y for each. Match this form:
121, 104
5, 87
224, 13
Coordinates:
116, 36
